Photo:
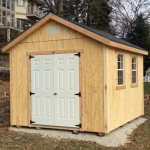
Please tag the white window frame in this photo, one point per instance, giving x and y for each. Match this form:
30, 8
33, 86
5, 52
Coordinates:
120, 69
134, 69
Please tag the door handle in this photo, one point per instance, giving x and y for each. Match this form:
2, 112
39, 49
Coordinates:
55, 93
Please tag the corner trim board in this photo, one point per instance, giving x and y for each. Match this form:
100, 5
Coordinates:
106, 89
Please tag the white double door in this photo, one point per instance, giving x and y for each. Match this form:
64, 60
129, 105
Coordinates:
54, 83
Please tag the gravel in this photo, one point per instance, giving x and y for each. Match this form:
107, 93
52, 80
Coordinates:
115, 138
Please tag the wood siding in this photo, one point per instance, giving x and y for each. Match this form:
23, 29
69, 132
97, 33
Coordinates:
103, 106
92, 106
124, 104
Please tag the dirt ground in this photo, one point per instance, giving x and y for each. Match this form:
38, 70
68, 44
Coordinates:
10, 140
4, 103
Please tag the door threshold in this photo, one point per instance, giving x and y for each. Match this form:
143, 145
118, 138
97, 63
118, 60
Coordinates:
55, 127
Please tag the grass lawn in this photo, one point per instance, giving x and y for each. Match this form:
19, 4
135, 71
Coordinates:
9, 140
147, 87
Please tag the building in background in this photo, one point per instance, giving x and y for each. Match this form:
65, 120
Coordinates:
23, 10
16, 16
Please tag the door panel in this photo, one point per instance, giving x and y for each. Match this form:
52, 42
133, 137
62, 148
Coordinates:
57, 73
42, 85
66, 77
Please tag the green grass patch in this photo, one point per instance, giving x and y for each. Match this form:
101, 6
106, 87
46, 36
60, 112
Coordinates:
147, 87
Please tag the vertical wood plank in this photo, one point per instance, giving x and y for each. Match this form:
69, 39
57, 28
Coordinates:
13, 99
92, 87
11, 88
24, 84
69, 44
86, 94
29, 89
19, 85
106, 89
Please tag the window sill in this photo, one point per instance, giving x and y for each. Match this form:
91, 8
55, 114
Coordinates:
20, 6
120, 87
134, 85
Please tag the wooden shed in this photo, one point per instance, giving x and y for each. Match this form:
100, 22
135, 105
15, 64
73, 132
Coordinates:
69, 76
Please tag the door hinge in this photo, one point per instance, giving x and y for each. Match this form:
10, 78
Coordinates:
79, 125
31, 93
78, 54
31, 122
31, 56
79, 94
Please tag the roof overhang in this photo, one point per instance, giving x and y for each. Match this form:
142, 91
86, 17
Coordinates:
86, 32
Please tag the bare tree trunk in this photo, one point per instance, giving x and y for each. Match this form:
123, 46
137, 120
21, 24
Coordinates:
56, 6
60, 12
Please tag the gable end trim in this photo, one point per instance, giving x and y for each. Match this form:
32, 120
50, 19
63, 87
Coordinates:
74, 27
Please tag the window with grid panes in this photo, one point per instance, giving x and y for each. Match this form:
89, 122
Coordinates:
12, 4
134, 70
8, 4
120, 69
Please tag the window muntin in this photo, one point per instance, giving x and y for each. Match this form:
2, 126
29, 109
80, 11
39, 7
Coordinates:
134, 70
120, 69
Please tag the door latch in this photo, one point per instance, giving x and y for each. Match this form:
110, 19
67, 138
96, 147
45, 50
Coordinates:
31, 93
31, 122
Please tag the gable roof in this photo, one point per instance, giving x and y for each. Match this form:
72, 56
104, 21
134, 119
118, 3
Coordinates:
109, 36
98, 35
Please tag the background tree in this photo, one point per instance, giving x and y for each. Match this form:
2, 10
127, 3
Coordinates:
73, 10
96, 14
139, 35
55, 6
125, 12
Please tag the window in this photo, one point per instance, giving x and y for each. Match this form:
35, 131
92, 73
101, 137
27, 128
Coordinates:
4, 3
134, 70
37, 8
120, 69
4, 13
12, 4
12, 20
8, 4
20, 3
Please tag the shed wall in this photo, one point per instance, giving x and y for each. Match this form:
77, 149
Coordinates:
124, 104
92, 106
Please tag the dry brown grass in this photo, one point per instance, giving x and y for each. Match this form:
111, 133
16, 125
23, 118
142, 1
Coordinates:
10, 140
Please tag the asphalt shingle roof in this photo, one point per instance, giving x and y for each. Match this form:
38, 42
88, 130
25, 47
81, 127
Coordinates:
108, 36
